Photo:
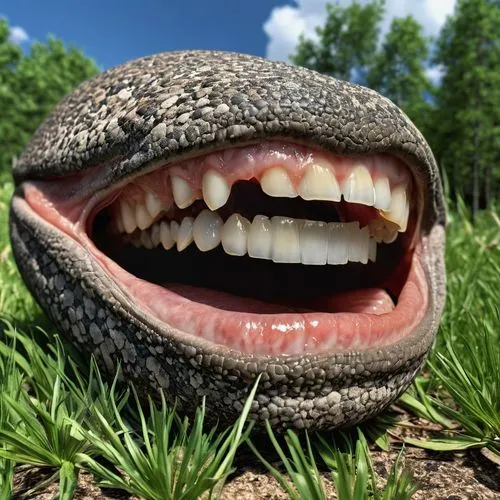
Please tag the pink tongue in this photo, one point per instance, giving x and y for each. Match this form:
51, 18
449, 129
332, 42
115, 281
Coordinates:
368, 300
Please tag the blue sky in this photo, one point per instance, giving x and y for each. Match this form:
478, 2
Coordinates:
113, 31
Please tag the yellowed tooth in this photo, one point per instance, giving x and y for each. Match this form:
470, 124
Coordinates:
358, 186
399, 209
276, 182
390, 237
153, 204
142, 216
383, 230
382, 193
128, 217
216, 190
182, 192
319, 183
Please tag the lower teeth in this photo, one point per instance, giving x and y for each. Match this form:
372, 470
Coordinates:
280, 239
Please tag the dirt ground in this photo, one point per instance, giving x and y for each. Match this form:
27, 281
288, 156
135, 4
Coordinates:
467, 475
472, 474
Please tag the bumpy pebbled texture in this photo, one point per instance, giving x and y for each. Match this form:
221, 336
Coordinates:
173, 105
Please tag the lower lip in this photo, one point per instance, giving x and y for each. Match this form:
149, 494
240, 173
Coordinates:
287, 333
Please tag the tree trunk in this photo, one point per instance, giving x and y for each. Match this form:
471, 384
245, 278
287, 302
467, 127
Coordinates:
476, 172
488, 175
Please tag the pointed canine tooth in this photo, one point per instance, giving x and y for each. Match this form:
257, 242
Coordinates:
383, 230
382, 193
372, 251
174, 230
182, 192
260, 238
400, 208
358, 186
142, 216
314, 243
338, 243
216, 190
185, 234
286, 240
128, 217
207, 230
358, 243
155, 234
319, 183
153, 204
166, 235
276, 182
234, 235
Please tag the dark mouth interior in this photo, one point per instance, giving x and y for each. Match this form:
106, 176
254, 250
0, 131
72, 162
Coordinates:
301, 287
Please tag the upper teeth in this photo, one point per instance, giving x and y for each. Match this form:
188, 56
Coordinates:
216, 190
358, 186
399, 208
388, 191
319, 183
182, 192
276, 182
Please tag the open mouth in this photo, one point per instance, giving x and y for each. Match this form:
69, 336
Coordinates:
272, 248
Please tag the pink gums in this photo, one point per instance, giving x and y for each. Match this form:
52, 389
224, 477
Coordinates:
250, 162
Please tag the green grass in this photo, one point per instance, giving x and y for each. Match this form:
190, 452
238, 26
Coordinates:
59, 413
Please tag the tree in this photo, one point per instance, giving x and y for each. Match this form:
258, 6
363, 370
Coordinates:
467, 132
398, 70
347, 43
31, 85
10, 55
347, 47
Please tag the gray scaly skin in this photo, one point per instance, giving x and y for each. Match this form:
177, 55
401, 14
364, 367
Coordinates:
175, 105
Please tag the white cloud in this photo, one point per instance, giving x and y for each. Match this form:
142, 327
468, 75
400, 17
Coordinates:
287, 22
435, 73
18, 35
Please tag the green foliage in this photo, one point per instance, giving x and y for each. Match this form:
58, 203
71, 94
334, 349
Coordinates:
466, 136
346, 44
347, 48
170, 458
30, 86
42, 408
463, 394
398, 71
